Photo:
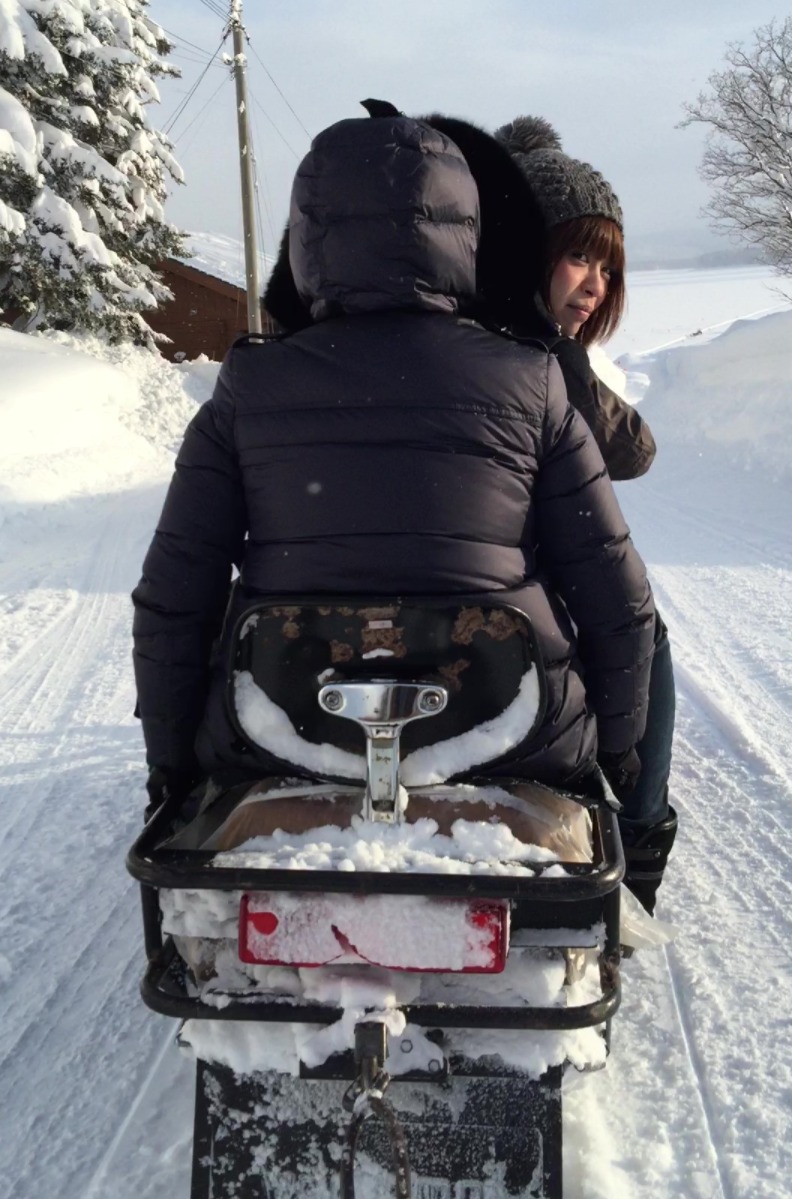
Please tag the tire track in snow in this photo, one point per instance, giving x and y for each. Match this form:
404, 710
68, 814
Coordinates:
775, 550
699, 1071
76, 1070
52, 667
71, 763
69, 676
99, 1177
754, 725
25, 1012
730, 971
743, 851
743, 743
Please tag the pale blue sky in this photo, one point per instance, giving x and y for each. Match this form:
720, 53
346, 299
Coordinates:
612, 75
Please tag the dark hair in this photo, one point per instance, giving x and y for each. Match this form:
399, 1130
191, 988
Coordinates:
602, 238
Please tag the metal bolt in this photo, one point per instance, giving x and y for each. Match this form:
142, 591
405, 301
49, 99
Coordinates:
406, 1045
333, 701
435, 1066
430, 701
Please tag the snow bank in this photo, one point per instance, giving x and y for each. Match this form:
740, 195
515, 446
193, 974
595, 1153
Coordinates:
607, 370
666, 308
731, 392
79, 416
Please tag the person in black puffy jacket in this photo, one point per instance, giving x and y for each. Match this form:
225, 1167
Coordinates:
391, 445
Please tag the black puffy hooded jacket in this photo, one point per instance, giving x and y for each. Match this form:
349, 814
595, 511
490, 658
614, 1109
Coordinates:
393, 446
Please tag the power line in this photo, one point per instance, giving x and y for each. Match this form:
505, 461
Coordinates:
181, 108
277, 88
264, 112
262, 196
214, 8
175, 37
259, 222
200, 113
187, 56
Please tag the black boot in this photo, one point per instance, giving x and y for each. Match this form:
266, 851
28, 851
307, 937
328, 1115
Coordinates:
646, 853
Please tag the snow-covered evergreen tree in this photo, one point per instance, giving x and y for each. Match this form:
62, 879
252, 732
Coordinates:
83, 174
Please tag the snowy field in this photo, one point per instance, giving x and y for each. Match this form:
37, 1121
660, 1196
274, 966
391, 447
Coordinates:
696, 1100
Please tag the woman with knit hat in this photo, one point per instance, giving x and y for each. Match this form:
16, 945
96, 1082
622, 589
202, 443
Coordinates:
579, 303
581, 296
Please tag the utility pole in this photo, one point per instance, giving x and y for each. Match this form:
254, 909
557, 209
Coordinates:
246, 168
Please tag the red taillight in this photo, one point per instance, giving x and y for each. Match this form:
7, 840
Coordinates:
400, 932
263, 922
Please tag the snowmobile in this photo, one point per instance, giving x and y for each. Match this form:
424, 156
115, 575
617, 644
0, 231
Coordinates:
420, 1098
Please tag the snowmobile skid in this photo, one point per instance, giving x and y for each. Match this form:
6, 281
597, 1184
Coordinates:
442, 1122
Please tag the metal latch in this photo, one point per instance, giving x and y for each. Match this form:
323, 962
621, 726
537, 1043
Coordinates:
382, 707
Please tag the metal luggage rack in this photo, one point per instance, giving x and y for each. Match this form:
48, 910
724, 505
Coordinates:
588, 894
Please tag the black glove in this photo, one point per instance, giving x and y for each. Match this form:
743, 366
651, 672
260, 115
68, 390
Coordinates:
621, 771
164, 784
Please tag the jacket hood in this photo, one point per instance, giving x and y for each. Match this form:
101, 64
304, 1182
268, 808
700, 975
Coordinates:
384, 215
509, 254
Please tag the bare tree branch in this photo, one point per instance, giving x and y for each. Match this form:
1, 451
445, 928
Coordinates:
748, 153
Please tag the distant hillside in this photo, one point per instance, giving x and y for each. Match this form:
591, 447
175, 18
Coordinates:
709, 261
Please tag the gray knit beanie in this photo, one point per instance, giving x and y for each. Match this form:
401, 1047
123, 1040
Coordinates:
564, 188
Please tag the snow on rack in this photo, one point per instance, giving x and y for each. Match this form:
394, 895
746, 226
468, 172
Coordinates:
531, 978
472, 848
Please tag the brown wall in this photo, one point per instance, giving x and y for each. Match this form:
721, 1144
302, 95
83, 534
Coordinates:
205, 316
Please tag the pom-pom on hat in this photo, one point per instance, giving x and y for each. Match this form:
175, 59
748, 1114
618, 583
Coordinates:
564, 188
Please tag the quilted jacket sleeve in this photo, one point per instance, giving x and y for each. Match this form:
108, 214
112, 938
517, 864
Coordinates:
586, 549
181, 599
623, 436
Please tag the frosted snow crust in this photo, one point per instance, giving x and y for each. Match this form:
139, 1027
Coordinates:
531, 978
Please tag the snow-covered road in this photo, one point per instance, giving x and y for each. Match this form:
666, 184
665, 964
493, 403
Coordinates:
696, 1102
699, 1089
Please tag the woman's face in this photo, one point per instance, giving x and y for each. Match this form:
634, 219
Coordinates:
578, 286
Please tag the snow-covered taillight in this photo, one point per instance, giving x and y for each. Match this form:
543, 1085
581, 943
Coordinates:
401, 932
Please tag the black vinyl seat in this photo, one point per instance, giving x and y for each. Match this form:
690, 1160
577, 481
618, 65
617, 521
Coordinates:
481, 654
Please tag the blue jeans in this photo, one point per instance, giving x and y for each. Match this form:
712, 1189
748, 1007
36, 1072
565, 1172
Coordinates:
648, 803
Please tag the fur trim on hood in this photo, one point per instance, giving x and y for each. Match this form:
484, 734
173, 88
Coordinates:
281, 298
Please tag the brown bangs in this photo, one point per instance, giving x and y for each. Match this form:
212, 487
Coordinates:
602, 238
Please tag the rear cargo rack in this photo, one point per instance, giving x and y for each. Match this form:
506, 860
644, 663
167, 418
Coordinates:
584, 896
